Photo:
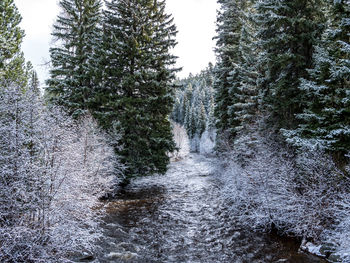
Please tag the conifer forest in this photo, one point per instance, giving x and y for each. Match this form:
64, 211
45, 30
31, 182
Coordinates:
116, 157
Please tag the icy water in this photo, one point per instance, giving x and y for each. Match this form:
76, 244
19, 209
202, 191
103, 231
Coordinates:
180, 218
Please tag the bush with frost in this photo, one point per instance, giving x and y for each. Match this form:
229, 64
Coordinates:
207, 142
54, 169
267, 187
182, 142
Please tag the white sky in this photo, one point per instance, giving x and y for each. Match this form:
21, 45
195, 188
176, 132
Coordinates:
195, 21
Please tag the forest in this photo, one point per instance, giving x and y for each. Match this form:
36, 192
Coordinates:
272, 114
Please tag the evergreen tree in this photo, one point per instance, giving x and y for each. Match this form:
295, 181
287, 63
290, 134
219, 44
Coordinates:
326, 120
12, 63
34, 83
227, 50
247, 89
139, 69
73, 70
186, 101
188, 120
176, 115
202, 120
192, 123
211, 118
288, 31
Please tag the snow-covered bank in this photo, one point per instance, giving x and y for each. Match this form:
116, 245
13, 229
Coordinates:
268, 188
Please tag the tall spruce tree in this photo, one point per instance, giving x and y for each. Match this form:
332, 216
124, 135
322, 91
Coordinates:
326, 120
73, 70
246, 87
288, 31
139, 69
12, 63
227, 50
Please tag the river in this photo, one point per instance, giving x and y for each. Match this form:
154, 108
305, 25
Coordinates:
180, 217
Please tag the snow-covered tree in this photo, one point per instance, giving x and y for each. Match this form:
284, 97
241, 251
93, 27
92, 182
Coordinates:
326, 119
73, 58
139, 69
12, 63
287, 32
53, 172
202, 119
226, 74
246, 86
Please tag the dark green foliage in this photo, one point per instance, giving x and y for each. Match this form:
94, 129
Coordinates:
12, 63
136, 95
226, 76
11, 34
73, 73
245, 86
288, 60
326, 119
287, 31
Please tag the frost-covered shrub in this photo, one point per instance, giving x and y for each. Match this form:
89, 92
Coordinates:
207, 142
195, 144
260, 191
267, 188
340, 234
182, 142
84, 167
53, 171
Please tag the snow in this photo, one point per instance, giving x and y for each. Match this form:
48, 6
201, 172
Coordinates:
311, 248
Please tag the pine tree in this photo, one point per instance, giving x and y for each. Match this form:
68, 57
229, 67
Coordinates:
186, 101
176, 114
202, 120
211, 118
247, 91
193, 122
138, 37
187, 119
73, 70
228, 35
288, 31
12, 63
326, 120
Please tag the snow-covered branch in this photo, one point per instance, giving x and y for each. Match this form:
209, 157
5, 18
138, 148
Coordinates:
54, 169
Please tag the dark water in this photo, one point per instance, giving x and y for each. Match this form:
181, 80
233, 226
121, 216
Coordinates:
180, 218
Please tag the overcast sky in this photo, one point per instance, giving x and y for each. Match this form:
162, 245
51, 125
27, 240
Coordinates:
195, 20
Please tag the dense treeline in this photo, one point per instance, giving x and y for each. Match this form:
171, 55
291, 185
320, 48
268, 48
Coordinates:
116, 64
287, 59
282, 111
194, 105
